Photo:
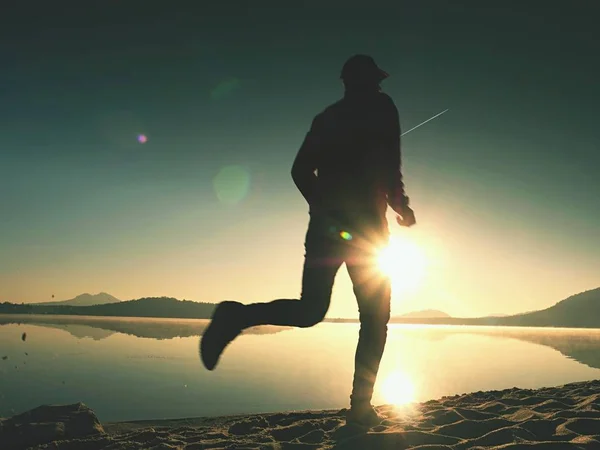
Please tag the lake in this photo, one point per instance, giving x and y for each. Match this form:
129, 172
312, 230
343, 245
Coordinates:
134, 369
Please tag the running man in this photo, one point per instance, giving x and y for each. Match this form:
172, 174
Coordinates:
349, 170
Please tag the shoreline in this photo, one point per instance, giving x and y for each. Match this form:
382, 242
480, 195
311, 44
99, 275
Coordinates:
23, 318
561, 417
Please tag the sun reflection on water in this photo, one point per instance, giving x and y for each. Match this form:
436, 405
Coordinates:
398, 389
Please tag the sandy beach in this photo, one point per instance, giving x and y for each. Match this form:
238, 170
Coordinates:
565, 417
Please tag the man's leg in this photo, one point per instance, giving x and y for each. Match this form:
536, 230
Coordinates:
321, 264
373, 293
322, 260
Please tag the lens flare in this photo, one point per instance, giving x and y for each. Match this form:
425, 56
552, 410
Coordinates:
142, 138
345, 235
231, 184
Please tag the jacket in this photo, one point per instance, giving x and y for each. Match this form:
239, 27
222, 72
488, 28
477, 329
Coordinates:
349, 164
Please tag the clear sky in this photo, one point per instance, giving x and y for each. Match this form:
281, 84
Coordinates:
505, 185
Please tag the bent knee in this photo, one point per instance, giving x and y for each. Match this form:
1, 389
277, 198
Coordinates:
312, 308
309, 314
310, 318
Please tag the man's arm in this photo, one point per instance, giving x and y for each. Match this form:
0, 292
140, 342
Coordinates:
396, 195
306, 163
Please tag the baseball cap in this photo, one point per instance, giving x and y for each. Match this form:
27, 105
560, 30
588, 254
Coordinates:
362, 67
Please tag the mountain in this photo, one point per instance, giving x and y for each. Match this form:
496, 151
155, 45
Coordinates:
425, 314
578, 311
144, 307
85, 300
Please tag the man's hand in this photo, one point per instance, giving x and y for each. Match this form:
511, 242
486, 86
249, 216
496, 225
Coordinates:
406, 218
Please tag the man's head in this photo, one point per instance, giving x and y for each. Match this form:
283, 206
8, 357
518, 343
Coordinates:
360, 71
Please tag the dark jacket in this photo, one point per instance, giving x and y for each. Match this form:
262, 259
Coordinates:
354, 148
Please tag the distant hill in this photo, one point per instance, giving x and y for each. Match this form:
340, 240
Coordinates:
578, 311
425, 314
85, 300
144, 307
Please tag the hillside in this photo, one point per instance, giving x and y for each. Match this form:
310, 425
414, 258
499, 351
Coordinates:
578, 311
144, 307
85, 300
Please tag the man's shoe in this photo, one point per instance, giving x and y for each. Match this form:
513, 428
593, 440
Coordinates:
364, 416
224, 327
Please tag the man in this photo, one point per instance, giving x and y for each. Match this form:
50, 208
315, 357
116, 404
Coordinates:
348, 170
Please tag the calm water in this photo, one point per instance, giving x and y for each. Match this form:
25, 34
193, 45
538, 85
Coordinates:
129, 369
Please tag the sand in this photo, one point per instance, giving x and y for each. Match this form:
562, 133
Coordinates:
565, 417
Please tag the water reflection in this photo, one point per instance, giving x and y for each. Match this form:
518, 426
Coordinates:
398, 388
581, 345
134, 369
98, 328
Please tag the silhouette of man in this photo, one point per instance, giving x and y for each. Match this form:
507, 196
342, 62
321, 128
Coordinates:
349, 170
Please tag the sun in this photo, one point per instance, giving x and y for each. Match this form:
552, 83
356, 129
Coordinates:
398, 389
404, 262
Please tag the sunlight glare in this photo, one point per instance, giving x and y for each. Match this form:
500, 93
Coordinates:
404, 262
398, 389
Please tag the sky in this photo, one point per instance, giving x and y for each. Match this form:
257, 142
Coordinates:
145, 149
